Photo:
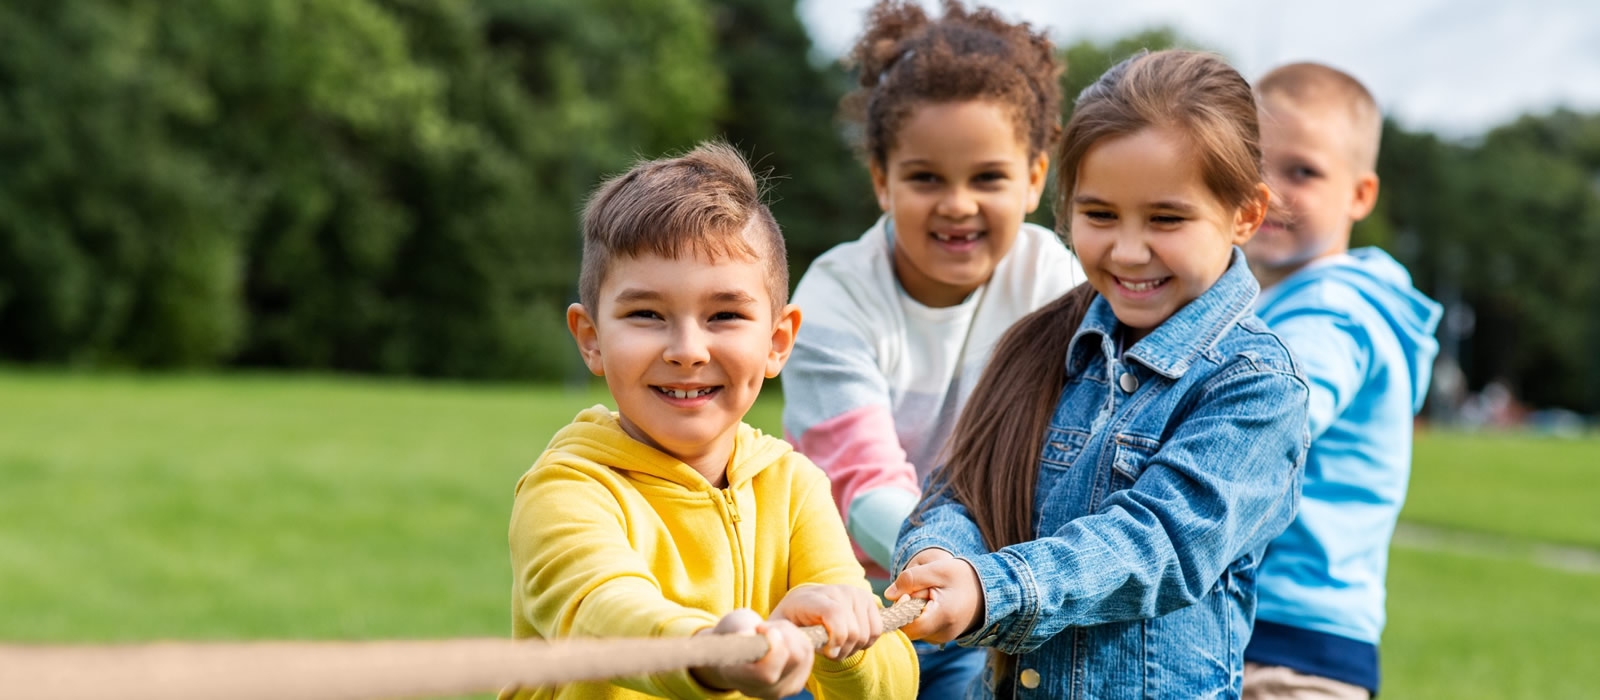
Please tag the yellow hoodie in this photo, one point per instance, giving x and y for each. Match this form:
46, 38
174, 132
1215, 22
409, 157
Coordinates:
613, 538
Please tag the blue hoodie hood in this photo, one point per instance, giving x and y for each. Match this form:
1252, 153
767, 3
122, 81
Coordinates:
1386, 287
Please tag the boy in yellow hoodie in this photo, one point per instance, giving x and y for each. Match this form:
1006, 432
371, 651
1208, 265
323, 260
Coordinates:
671, 517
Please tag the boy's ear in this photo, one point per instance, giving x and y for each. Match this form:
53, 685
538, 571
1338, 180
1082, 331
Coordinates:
1247, 219
587, 337
1366, 196
783, 334
880, 184
1038, 174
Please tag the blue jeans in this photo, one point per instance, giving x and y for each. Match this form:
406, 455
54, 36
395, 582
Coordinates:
945, 672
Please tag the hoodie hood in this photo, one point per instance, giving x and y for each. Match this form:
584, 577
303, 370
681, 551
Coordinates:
596, 435
1387, 287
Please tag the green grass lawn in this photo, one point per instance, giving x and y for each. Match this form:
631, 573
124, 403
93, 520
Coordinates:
261, 506
1534, 487
1470, 627
269, 506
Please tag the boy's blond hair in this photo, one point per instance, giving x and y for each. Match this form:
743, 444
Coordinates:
704, 202
1315, 85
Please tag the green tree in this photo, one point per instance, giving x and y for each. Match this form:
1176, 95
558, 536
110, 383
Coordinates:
1509, 226
113, 231
364, 185
781, 111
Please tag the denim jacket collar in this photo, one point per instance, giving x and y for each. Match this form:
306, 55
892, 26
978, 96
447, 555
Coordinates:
1173, 346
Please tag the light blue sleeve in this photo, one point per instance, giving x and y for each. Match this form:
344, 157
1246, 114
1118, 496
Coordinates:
1334, 352
1224, 484
875, 517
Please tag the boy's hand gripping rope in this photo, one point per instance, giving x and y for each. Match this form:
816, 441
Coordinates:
363, 670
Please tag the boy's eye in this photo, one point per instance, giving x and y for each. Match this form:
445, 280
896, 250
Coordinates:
1166, 219
727, 316
922, 177
992, 176
643, 313
1301, 172
1099, 215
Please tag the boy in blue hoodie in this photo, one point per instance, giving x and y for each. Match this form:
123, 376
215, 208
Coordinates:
1364, 336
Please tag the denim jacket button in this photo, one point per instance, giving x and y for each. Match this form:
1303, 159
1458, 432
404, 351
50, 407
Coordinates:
1127, 382
1029, 678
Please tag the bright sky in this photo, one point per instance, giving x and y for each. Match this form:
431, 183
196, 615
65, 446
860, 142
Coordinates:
1456, 67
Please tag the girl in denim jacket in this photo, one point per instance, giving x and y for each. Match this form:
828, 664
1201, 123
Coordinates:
1133, 446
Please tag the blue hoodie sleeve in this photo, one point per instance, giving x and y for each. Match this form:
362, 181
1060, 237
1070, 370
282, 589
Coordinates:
1223, 484
1335, 354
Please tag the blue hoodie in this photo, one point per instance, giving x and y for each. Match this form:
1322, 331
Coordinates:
1364, 337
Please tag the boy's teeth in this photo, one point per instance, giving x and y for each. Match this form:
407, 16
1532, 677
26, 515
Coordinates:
945, 238
685, 394
1142, 286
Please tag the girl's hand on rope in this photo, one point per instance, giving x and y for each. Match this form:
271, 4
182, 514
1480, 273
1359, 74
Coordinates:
781, 673
928, 556
849, 614
954, 594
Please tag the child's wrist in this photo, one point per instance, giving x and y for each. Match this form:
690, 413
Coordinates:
980, 611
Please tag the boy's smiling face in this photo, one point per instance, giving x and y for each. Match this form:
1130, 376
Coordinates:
684, 345
1310, 152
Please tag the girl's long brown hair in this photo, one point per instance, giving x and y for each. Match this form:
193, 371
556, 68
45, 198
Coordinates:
992, 459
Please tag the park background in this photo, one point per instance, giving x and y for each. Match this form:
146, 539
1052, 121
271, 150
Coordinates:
281, 286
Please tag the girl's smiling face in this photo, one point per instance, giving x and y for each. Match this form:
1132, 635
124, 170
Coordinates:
1150, 235
957, 183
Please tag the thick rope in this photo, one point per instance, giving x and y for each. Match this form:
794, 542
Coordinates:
365, 670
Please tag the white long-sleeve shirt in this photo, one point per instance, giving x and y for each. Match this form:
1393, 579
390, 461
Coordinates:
877, 379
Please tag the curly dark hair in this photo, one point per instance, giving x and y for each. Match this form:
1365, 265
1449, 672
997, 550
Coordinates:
907, 58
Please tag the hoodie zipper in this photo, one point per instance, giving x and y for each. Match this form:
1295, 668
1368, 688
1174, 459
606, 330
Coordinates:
731, 505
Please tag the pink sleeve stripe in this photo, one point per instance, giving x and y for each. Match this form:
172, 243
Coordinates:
860, 451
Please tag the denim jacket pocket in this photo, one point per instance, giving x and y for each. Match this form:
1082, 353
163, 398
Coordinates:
1062, 447
1129, 459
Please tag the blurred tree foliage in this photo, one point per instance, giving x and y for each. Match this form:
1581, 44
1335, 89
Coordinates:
781, 111
393, 185
1509, 226
385, 186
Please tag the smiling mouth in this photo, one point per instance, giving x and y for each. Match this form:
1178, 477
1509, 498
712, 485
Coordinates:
1142, 286
694, 393
962, 238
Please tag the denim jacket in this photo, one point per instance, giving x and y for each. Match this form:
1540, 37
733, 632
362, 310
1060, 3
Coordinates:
1164, 475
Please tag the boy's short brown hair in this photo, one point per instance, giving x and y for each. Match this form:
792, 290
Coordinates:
704, 202
1316, 85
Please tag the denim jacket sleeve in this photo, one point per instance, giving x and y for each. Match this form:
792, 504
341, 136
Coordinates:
1224, 484
944, 523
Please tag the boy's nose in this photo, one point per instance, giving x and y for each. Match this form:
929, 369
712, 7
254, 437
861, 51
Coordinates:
687, 349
